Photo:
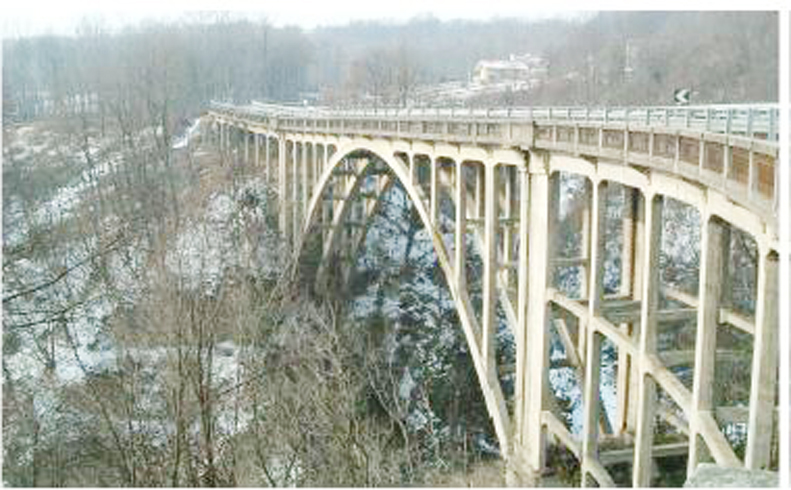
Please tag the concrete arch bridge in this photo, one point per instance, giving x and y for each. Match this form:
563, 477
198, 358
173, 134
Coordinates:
696, 358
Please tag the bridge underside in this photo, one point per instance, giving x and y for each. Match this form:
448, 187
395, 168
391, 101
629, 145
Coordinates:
648, 350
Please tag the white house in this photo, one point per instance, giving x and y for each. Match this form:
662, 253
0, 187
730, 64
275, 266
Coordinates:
520, 71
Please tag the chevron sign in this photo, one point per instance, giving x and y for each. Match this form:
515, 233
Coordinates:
681, 96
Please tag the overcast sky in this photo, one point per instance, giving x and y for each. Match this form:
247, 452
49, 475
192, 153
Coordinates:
62, 17
31, 17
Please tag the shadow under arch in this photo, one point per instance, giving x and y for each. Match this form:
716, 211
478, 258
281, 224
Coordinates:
487, 376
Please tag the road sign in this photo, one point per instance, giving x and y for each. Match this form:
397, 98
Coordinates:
681, 96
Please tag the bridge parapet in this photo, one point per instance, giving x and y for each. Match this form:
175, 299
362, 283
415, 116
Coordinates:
730, 148
749, 120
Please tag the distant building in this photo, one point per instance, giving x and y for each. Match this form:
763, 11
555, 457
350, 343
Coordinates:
490, 78
524, 71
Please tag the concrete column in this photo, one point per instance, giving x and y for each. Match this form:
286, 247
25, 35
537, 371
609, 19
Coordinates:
246, 136
646, 409
282, 185
434, 198
480, 183
595, 293
278, 147
489, 321
412, 170
586, 227
508, 191
235, 141
315, 170
714, 241
590, 417
764, 368
591, 398
542, 206
597, 241
316, 164
267, 159
727, 152
460, 258
522, 274
584, 218
305, 184
256, 145
295, 181
629, 228
638, 205
230, 143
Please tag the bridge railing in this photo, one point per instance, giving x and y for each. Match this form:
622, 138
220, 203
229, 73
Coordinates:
712, 145
750, 120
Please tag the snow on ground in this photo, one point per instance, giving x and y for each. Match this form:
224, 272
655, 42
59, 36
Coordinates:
15, 224
62, 205
184, 140
564, 382
231, 234
126, 268
207, 248
28, 146
91, 353
21, 146
84, 324
203, 250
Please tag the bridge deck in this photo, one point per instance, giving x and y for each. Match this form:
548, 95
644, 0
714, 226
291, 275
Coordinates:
721, 147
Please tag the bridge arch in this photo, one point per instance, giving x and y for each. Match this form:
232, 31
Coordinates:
492, 392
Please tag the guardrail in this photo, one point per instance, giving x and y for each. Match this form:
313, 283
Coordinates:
758, 121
